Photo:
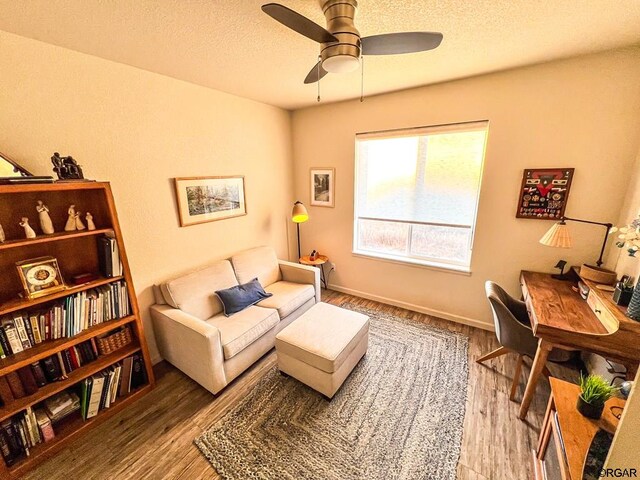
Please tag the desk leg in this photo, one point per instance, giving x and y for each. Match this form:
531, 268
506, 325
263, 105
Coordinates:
536, 370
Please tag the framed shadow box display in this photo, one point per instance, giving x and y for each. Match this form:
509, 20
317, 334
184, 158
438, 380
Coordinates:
544, 193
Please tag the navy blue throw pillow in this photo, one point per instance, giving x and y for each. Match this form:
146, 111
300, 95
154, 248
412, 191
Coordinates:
236, 299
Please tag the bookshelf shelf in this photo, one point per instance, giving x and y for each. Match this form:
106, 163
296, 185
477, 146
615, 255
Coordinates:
56, 237
74, 377
25, 303
49, 347
77, 252
69, 428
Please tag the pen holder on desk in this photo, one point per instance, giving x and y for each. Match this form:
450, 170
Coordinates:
633, 311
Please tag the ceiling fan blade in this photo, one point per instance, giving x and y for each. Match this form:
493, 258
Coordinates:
313, 77
397, 43
297, 22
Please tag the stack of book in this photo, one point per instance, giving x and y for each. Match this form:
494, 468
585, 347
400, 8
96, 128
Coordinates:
109, 256
22, 432
27, 380
65, 318
36, 425
100, 390
61, 405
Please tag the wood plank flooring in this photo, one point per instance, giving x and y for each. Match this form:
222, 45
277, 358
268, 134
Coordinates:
153, 439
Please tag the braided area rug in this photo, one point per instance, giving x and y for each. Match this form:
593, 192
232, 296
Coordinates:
399, 415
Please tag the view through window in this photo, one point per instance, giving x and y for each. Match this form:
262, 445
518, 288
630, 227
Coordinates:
417, 193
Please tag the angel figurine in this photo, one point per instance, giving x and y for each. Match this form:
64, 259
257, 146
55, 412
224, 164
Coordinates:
2, 236
71, 221
28, 231
45, 220
89, 218
79, 224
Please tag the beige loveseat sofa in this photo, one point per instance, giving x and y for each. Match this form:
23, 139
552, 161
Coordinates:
194, 335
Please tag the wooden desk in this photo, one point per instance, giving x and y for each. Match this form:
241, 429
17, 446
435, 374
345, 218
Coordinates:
576, 432
560, 318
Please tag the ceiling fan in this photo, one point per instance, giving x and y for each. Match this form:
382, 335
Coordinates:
341, 44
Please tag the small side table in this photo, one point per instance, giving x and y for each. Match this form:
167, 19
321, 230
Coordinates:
318, 262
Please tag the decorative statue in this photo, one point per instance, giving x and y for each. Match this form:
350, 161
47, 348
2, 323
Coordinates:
28, 231
45, 220
71, 221
66, 167
89, 218
2, 237
79, 224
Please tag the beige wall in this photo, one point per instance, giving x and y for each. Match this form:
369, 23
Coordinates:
138, 130
578, 113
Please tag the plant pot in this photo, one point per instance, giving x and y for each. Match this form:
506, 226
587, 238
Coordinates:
588, 410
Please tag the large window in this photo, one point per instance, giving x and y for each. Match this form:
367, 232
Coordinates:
417, 193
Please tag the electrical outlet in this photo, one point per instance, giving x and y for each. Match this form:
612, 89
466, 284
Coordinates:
333, 266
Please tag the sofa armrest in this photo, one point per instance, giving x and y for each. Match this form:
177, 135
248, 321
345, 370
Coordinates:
191, 345
297, 273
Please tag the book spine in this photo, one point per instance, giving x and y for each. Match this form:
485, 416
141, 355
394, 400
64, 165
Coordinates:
22, 332
28, 328
15, 384
35, 328
12, 336
49, 369
28, 381
5, 342
6, 395
38, 374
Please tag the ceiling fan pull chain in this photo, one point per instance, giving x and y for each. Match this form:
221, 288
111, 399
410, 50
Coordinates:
362, 80
318, 66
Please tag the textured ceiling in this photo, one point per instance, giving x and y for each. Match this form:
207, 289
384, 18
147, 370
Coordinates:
232, 46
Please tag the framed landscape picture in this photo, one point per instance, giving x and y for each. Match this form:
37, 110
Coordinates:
544, 193
207, 199
322, 187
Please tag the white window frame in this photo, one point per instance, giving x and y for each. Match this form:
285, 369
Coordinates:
408, 258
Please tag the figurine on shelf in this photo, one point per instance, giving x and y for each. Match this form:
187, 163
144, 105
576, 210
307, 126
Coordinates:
2, 236
28, 231
45, 220
71, 221
79, 224
66, 168
89, 218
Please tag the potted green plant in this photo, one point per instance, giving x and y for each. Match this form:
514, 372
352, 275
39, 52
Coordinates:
594, 392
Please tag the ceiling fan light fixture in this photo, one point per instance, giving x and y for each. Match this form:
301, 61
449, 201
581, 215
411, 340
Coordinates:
341, 64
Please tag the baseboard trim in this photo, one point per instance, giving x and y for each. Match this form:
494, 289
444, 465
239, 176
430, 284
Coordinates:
472, 322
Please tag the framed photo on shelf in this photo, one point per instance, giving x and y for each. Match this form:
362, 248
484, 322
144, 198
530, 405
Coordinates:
322, 187
207, 199
40, 276
544, 193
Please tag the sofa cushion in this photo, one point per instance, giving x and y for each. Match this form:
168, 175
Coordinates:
324, 336
236, 299
243, 328
260, 262
194, 293
287, 296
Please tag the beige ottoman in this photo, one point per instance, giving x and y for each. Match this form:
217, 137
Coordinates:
322, 347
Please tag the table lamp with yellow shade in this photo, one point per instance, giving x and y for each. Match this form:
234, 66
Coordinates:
559, 236
299, 215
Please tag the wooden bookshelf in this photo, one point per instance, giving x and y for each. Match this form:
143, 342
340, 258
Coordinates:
76, 253
69, 428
